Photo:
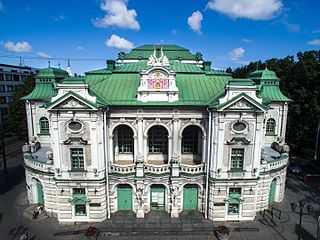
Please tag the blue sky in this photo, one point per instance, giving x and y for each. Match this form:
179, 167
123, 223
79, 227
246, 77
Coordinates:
227, 32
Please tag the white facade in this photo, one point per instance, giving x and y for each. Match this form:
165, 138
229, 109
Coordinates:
217, 161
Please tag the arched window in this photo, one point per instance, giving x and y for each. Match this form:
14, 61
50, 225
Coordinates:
158, 140
271, 126
125, 139
190, 140
44, 125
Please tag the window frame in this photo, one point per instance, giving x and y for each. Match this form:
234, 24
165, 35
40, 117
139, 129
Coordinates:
190, 140
237, 159
271, 127
77, 159
125, 140
44, 125
158, 143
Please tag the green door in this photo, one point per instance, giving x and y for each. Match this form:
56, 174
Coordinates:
157, 198
190, 198
40, 193
272, 192
124, 198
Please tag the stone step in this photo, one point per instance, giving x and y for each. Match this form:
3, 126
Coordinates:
28, 213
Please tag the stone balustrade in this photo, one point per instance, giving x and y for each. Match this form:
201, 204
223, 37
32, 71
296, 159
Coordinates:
33, 163
157, 169
123, 169
192, 169
279, 162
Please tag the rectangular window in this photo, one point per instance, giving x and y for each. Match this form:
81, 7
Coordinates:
237, 158
1, 77
80, 210
9, 88
79, 191
3, 100
23, 77
16, 78
235, 191
8, 77
77, 158
233, 208
14, 71
2, 88
9, 99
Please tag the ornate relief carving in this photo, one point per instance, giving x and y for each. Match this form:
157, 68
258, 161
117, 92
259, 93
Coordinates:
241, 104
160, 60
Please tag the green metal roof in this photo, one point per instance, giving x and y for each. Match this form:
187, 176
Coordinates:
272, 93
265, 74
173, 52
42, 91
51, 72
73, 80
121, 88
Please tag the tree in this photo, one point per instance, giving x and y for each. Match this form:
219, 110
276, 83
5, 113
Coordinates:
17, 121
300, 81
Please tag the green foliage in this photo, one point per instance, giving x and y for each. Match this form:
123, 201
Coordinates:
17, 121
300, 81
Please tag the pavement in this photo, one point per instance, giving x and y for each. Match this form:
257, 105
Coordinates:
15, 216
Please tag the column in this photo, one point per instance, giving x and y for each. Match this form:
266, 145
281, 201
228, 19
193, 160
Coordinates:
140, 146
110, 149
175, 138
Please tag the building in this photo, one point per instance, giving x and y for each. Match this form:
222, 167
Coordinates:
156, 130
10, 77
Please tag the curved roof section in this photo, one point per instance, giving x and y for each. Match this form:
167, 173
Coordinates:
51, 72
173, 52
42, 91
265, 74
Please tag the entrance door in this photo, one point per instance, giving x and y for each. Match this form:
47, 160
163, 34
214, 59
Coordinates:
157, 198
124, 197
272, 192
190, 197
40, 197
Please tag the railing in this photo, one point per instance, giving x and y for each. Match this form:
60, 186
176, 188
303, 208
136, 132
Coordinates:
277, 163
37, 165
192, 169
122, 169
157, 169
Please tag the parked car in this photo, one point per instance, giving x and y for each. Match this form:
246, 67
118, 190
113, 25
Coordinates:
294, 168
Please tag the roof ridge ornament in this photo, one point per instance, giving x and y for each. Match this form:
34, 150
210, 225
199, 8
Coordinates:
160, 61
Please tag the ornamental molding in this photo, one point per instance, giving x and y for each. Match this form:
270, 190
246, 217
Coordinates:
161, 60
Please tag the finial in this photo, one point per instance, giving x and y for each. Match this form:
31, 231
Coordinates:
69, 68
59, 65
49, 63
266, 66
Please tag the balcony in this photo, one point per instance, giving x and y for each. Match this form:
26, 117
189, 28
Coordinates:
273, 160
38, 160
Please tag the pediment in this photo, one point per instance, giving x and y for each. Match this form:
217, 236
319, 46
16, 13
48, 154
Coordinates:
242, 102
72, 101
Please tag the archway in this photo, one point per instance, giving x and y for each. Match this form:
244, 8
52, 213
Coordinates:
158, 145
157, 197
190, 197
191, 145
40, 195
272, 192
124, 192
123, 145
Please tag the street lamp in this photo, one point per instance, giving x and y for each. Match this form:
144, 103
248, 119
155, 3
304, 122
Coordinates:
294, 206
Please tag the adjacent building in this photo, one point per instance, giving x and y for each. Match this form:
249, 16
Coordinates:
10, 77
156, 130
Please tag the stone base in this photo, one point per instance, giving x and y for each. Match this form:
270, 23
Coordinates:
174, 213
140, 213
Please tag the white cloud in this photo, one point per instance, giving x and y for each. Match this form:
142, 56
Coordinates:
19, 47
246, 40
44, 55
194, 21
60, 17
118, 15
314, 42
1, 6
236, 53
80, 48
119, 42
250, 9
316, 31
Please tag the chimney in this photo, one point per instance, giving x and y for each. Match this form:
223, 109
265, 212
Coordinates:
206, 66
111, 64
